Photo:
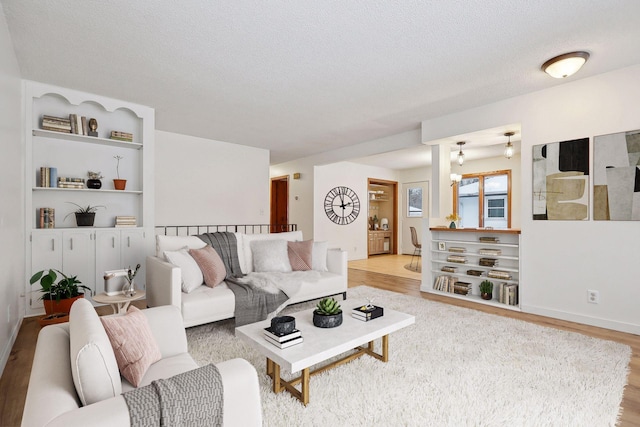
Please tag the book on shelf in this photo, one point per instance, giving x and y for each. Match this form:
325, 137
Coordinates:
457, 250
72, 120
508, 293
462, 288
121, 136
498, 274
46, 218
56, 124
366, 313
488, 251
449, 269
489, 239
125, 221
445, 283
488, 262
268, 332
457, 258
284, 344
475, 272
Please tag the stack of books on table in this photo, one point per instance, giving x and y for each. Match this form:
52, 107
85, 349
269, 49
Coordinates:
367, 312
125, 221
56, 124
283, 341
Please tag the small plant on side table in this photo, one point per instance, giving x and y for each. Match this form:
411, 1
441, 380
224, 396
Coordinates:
327, 314
486, 289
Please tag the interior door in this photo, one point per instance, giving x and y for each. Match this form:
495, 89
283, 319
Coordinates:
415, 206
279, 204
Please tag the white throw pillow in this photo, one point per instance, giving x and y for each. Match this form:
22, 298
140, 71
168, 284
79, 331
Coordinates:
174, 243
93, 363
270, 255
319, 256
192, 276
247, 265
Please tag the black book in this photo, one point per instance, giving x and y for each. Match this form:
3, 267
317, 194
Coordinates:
284, 344
367, 313
281, 337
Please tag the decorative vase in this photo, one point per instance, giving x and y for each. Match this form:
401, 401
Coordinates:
85, 219
129, 288
283, 325
51, 306
119, 184
94, 183
327, 320
486, 296
452, 225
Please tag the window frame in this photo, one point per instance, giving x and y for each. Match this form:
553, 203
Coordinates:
481, 176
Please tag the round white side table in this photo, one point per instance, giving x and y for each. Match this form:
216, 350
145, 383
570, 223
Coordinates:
119, 303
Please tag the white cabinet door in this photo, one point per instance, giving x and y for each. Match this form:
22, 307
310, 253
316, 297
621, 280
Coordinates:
78, 257
107, 255
134, 252
46, 253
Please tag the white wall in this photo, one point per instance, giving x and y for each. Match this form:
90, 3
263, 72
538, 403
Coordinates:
352, 237
412, 177
200, 181
561, 260
300, 209
12, 215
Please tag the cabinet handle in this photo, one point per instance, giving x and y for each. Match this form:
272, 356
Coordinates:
113, 242
71, 243
128, 241
53, 245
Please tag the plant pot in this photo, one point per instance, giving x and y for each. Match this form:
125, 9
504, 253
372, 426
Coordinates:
283, 325
486, 296
52, 319
327, 320
62, 306
85, 219
94, 183
119, 184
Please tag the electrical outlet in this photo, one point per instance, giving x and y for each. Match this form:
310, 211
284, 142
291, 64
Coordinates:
593, 296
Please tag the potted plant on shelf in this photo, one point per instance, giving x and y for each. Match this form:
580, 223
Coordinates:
486, 289
327, 314
119, 184
454, 218
85, 216
58, 297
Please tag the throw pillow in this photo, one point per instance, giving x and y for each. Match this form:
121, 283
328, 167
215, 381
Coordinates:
191, 273
93, 362
300, 255
133, 343
270, 255
319, 257
211, 265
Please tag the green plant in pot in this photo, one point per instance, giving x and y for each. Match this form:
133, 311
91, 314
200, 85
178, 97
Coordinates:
85, 216
58, 296
119, 184
486, 289
327, 314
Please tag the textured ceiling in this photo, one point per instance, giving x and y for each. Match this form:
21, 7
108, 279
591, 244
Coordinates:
304, 77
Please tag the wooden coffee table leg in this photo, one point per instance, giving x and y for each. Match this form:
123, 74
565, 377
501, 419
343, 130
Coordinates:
385, 348
304, 387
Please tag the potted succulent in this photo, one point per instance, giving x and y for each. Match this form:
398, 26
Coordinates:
327, 314
486, 289
58, 297
119, 184
85, 216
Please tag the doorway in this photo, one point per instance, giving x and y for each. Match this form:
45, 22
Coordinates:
279, 210
415, 207
382, 224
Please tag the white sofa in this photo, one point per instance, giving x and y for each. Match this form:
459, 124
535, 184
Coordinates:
52, 399
205, 304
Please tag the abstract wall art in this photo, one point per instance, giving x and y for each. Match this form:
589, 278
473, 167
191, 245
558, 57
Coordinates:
561, 180
616, 176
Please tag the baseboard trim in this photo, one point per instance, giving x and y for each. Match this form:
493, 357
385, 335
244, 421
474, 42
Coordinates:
6, 351
585, 320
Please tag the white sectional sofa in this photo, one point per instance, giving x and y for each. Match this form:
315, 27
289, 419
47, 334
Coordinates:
52, 396
206, 304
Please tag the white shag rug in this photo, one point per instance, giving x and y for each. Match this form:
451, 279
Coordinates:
453, 367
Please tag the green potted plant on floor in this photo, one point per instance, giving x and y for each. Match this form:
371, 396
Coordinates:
85, 216
486, 289
327, 314
57, 297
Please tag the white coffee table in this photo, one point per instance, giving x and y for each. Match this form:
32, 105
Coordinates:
353, 336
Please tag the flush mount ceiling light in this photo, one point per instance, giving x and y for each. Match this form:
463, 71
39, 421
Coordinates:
508, 149
565, 65
460, 153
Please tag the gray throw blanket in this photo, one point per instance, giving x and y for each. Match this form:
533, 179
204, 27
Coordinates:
193, 398
252, 302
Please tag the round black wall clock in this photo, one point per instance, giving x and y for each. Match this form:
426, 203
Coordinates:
342, 205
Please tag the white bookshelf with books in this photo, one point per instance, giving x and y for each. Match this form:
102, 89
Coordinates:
69, 134
458, 261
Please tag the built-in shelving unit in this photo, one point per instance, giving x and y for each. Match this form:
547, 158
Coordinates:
469, 256
87, 251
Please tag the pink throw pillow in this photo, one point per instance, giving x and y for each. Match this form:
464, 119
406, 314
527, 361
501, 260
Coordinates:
300, 255
211, 265
133, 343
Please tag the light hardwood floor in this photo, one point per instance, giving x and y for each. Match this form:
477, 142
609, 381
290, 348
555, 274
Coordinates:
384, 272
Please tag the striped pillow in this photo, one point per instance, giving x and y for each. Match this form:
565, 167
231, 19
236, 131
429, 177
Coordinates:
300, 255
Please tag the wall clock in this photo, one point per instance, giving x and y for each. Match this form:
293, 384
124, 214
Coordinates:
342, 205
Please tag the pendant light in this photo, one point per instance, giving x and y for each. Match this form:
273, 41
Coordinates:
460, 153
565, 65
508, 149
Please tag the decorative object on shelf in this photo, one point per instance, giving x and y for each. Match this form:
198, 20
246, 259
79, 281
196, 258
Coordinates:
85, 216
121, 136
119, 184
486, 289
125, 221
94, 180
460, 153
283, 325
508, 149
327, 314
342, 205
56, 124
129, 288
565, 65
47, 218
93, 127
58, 297
70, 182
454, 218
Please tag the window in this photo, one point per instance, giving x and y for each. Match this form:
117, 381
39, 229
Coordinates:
414, 202
484, 199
